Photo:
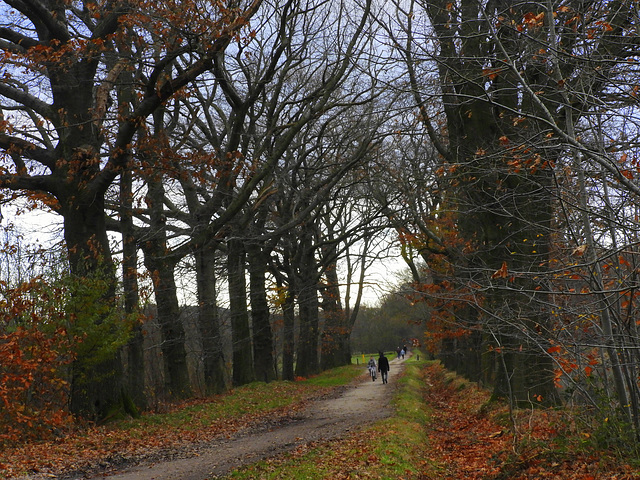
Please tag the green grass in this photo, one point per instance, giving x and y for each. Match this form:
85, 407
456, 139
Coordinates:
401, 439
252, 399
334, 377
358, 360
389, 449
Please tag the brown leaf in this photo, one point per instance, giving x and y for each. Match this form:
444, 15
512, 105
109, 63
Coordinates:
501, 272
579, 251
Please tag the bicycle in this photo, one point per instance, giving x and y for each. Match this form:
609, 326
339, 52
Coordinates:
373, 371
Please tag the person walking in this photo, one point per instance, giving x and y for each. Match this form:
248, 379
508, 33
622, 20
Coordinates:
383, 367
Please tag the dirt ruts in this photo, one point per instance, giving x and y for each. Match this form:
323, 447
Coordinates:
355, 406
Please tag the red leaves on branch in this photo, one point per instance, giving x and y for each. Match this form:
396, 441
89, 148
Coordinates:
33, 393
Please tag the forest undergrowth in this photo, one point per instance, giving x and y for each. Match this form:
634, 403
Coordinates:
471, 437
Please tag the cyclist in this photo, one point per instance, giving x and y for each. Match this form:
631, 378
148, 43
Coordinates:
372, 369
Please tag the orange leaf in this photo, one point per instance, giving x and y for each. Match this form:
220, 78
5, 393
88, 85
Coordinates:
501, 272
627, 174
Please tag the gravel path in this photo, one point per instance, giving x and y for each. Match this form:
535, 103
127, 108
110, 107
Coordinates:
358, 404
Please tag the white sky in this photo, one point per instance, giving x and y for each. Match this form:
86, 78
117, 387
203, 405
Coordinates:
45, 229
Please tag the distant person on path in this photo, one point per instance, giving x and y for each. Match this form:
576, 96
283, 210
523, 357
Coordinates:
398, 351
383, 367
402, 353
372, 368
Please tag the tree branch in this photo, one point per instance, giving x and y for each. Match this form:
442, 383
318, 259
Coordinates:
26, 149
41, 17
29, 101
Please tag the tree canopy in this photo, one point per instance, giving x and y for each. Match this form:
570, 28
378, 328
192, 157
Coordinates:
228, 174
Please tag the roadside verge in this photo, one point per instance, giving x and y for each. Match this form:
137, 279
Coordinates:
393, 447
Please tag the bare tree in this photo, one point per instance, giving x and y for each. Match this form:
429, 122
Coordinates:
65, 136
508, 75
228, 137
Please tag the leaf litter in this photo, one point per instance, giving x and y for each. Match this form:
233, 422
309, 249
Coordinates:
466, 436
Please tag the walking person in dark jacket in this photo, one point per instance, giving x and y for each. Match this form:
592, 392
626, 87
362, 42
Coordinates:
383, 367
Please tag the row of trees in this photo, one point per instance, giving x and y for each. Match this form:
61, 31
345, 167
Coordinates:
394, 322
217, 149
272, 147
528, 226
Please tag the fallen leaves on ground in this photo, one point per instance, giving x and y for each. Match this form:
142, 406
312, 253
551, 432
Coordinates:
94, 447
469, 438
465, 437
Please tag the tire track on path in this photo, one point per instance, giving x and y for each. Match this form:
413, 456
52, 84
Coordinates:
361, 403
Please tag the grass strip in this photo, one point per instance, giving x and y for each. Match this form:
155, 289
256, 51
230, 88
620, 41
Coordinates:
392, 448
187, 422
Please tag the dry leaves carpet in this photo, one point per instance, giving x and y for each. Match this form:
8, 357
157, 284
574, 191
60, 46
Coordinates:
457, 434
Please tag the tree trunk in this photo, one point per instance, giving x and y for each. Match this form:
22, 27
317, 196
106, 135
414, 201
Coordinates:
288, 334
263, 360
161, 268
169, 319
504, 211
134, 375
212, 354
282, 275
96, 381
240, 331
307, 282
336, 349
506, 218
307, 357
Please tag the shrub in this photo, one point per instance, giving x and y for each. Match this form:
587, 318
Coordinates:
34, 356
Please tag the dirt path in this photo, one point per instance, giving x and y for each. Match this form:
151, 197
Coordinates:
360, 403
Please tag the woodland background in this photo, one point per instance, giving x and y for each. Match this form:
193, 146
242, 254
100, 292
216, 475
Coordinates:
228, 174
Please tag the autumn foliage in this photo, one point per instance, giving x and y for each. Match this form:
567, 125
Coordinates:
439, 290
469, 437
34, 351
